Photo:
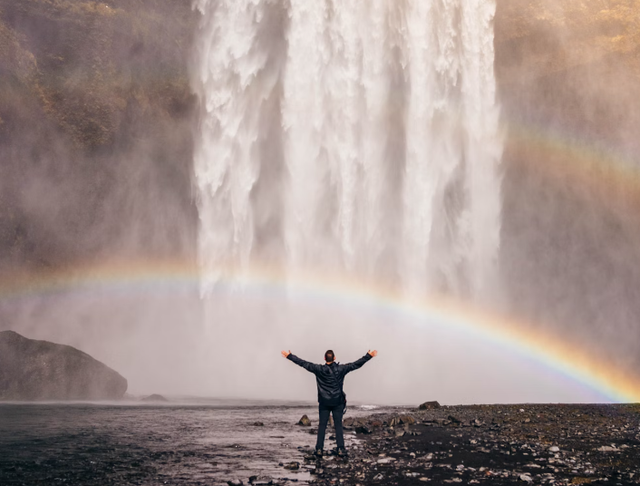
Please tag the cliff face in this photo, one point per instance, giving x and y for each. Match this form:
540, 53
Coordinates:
94, 105
569, 84
572, 64
96, 147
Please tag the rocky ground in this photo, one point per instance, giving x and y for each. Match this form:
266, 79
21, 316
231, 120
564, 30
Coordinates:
497, 444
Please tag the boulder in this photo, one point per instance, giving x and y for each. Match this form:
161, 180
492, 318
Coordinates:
429, 405
304, 421
154, 398
407, 420
40, 370
260, 480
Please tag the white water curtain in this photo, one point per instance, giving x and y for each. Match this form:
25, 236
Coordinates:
350, 136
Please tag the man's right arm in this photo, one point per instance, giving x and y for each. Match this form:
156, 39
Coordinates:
311, 367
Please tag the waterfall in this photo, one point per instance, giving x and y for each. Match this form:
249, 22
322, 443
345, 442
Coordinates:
353, 137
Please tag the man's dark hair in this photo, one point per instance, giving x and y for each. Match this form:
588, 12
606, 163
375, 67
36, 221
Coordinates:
329, 356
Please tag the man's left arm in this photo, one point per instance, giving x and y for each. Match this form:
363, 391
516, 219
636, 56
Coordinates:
349, 367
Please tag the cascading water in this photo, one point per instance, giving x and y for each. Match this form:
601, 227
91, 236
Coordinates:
351, 136
355, 139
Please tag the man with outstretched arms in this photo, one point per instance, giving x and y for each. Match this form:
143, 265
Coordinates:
331, 397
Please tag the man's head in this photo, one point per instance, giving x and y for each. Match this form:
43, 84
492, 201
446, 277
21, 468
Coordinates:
329, 357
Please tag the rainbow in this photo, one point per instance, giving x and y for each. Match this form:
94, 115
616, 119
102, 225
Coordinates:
543, 348
608, 174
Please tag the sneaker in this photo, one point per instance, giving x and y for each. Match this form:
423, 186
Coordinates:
318, 453
342, 452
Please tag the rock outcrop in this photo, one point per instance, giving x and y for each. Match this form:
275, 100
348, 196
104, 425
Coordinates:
40, 370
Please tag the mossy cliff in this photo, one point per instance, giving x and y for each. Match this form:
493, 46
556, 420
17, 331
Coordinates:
92, 93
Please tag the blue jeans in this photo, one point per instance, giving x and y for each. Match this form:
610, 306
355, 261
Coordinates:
337, 412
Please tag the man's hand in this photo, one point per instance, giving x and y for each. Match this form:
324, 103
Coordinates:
373, 353
285, 354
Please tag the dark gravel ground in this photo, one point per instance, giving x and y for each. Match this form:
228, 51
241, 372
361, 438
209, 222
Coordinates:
496, 444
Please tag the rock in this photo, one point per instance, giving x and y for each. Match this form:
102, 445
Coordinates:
304, 421
40, 370
554, 449
429, 405
607, 449
363, 429
154, 398
386, 460
235, 482
292, 466
526, 478
407, 420
258, 424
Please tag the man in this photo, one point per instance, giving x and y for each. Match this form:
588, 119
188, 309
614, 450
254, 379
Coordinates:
331, 397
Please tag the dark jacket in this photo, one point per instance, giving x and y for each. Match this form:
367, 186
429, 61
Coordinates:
330, 378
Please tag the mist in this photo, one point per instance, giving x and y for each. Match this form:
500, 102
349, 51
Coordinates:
570, 228
98, 147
